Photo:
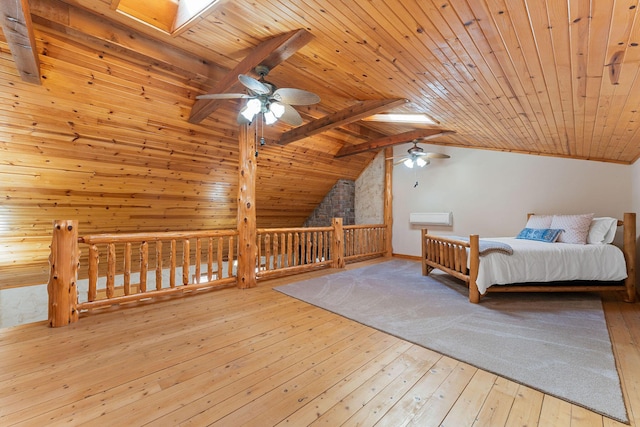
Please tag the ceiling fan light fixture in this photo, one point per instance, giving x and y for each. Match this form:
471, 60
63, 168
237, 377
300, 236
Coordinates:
415, 118
421, 162
253, 107
408, 163
270, 118
276, 109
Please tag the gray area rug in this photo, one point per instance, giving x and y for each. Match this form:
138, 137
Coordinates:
556, 343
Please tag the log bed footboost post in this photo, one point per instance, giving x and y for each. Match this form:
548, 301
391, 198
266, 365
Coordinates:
445, 254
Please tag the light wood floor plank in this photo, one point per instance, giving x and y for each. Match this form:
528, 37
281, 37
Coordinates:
526, 407
466, 408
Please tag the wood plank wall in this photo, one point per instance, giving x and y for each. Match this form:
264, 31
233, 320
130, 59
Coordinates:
106, 141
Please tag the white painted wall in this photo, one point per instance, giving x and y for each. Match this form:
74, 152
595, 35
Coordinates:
490, 193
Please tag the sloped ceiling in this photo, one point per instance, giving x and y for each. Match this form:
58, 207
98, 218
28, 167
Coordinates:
105, 137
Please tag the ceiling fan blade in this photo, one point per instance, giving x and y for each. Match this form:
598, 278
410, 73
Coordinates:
254, 85
291, 116
293, 96
223, 96
436, 155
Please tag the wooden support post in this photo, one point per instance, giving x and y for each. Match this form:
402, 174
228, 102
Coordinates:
388, 201
63, 275
337, 247
247, 235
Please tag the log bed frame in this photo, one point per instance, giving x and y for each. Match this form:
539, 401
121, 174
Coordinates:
450, 256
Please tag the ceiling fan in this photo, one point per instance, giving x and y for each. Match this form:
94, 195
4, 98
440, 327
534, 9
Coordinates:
417, 156
266, 99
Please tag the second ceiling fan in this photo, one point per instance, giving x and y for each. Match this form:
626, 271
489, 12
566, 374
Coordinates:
417, 156
266, 99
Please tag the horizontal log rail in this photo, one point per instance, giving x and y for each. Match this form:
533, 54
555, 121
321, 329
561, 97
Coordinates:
131, 267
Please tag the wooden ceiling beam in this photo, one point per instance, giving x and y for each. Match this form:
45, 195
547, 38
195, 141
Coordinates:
388, 141
270, 53
18, 30
340, 118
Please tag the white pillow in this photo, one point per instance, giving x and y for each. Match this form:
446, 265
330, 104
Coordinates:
539, 221
575, 227
602, 230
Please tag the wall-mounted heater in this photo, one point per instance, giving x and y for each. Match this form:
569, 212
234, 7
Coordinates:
431, 218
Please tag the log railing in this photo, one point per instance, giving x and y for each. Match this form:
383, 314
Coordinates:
364, 241
293, 250
124, 268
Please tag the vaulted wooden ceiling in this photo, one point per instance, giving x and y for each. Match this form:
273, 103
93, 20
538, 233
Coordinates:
97, 107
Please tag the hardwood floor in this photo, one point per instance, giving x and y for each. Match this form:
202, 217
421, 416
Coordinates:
257, 357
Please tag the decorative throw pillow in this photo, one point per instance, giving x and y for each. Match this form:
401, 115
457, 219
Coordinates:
548, 235
539, 221
575, 228
602, 230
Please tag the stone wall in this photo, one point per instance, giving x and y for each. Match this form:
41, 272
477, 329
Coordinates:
369, 201
338, 203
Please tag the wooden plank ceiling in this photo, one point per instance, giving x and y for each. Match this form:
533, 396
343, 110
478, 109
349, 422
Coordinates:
105, 136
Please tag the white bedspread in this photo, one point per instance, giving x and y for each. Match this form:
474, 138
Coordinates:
534, 261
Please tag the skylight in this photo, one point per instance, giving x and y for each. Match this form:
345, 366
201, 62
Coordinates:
169, 16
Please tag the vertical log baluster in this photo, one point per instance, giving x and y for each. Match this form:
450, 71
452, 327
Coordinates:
111, 269
230, 257
158, 265
276, 252
220, 260
144, 266
309, 253
198, 260
94, 260
289, 250
127, 268
210, 259
172, 268
267, 251
186, 260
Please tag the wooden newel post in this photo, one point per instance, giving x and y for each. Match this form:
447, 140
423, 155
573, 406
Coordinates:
63, 276
337, 246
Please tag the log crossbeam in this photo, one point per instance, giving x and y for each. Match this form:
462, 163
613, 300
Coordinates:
18, 30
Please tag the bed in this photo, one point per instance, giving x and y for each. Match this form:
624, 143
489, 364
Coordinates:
524, 265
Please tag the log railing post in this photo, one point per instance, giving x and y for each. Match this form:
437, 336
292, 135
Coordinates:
63, 275
337, 247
